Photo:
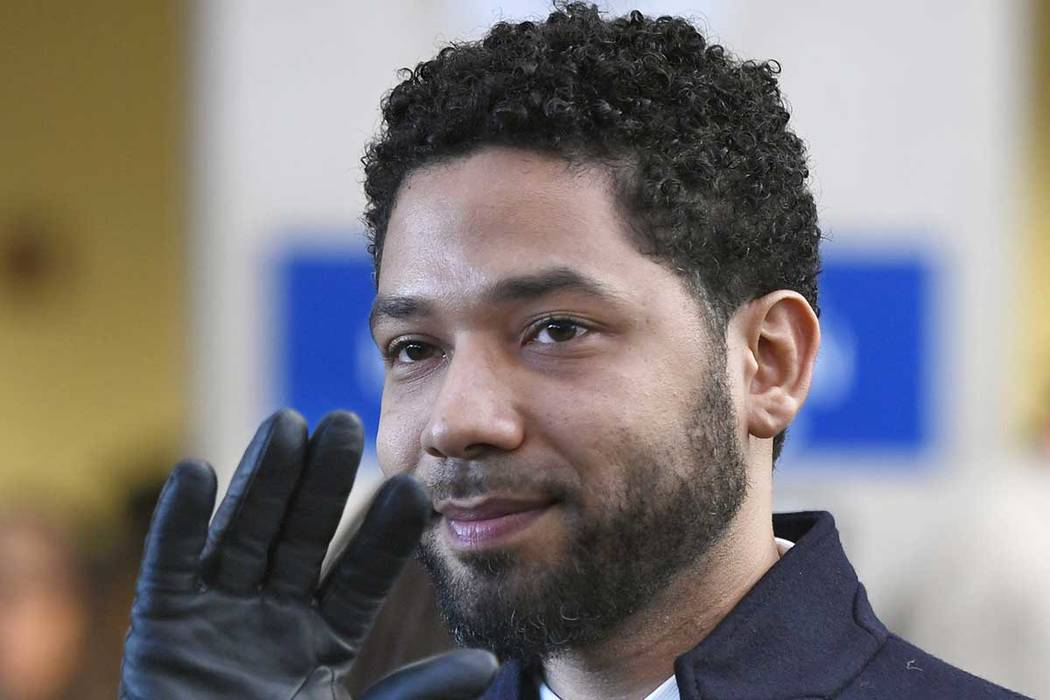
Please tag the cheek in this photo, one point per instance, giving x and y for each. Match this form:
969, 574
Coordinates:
589, 431
636, 416
398, 440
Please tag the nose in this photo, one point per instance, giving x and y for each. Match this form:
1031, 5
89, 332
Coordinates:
475, 411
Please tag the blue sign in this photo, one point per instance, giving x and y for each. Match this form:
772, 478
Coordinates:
327, 359
871, 388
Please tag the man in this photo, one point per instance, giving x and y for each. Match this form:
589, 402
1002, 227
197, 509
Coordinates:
596, 260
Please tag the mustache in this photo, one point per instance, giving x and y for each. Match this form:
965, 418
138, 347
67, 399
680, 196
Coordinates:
460, 480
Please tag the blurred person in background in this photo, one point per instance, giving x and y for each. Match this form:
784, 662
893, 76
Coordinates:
45, 611
64, 597
596, 258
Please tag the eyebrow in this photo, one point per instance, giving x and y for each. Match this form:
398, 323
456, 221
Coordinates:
510, 289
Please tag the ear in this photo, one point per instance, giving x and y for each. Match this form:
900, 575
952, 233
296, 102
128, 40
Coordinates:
781, 334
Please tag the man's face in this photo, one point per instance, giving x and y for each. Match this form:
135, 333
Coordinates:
560, 394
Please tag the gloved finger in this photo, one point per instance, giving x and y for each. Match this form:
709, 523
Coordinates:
457, 675
332, 457
179, 529
251, 514
374, 558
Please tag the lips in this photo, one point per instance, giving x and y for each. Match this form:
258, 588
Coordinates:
489, 523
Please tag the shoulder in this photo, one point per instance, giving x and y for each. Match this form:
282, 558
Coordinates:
902, 670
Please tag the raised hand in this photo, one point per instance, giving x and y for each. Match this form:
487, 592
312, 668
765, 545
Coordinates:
237, 610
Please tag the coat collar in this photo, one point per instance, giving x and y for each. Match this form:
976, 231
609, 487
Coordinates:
806, 628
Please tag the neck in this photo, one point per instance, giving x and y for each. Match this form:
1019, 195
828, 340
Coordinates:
640, 654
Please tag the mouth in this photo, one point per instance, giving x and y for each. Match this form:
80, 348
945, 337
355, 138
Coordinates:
489, 523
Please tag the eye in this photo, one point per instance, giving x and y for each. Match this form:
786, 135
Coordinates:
557, 330
408, 352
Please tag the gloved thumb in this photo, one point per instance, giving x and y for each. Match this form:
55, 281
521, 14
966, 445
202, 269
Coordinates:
458, 675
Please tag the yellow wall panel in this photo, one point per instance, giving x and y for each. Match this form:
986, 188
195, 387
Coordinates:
1034, 378
92, 320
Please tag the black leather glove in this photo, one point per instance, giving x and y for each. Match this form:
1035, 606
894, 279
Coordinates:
236, 610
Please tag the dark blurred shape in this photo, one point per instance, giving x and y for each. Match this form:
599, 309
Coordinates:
408, 628
114, 569
35, 262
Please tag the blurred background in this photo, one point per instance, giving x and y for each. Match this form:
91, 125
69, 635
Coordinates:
181, 251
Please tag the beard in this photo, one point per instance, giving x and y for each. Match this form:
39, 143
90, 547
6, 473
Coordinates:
676, 500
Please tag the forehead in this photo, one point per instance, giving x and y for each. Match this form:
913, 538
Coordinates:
503, 212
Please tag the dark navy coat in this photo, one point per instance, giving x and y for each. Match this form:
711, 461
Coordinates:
806, 630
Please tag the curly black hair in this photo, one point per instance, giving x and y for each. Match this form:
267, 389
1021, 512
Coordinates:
706, 172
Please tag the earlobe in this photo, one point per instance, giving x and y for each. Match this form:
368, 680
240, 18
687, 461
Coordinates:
783, 335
